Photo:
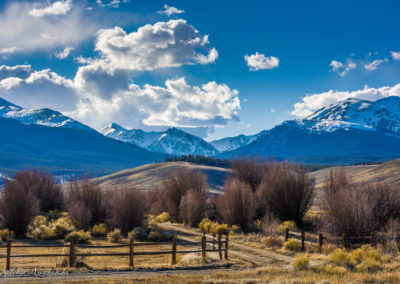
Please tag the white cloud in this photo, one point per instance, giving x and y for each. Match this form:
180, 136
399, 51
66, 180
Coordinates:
342, 68
20, 30
55, 9
164, 44
111, 3
169, 11
260, 62
98, 95
64, 53
374, 64
314, 102
395, 55
9, 50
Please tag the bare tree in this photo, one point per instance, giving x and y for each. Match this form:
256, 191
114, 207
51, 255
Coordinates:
193, 207
177, 184
286, 191
127, 208
43, 186
237, 204
90, 195
249, 171
18, 207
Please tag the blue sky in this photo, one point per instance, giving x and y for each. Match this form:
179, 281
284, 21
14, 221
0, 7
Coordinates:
302, 55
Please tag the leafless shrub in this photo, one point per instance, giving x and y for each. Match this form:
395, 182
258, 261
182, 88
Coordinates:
43, 186
91, 197
358, 209
18, 207
237, 204
177, 184
193, 207
156, 201
127, 208
80, 214
286, 191
249, 171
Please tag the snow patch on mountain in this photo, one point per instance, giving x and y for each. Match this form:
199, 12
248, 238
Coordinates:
44, 116
172, 141
232, 143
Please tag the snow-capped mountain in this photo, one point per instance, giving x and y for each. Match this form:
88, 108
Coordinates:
172, 141
232, 143
43, 116
383, 114
351, 131
135, 136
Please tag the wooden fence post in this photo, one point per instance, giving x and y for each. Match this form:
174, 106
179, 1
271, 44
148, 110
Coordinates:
321, 242
173, 258
219, 247
373, 242
131, 252
213, 241
8, 255
72, 254
203, 249
303, 237
226, 246
286, 234
344, 240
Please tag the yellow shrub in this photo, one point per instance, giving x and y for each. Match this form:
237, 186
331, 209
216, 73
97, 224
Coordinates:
271, 241
99, 230
78, 236
6, 234
292, 244
313, 217
222, 229
291, 225
369, 265
300, 263
341, 257
205, 225
163, 217
334, 270
42, 229
114, 236
61, 227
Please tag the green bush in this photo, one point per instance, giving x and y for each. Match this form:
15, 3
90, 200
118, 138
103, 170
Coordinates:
292, 244
300, 263
114, 236
334, 270
99, 230
78, 236
158, 235
369, 265
139, 234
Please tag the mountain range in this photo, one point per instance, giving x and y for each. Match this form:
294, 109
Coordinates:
351, 131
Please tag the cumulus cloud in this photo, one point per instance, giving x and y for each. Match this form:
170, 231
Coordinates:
314, 102
374, 64
18, 29
111, 3
98, 96
9, 50
260, 62
342, 68
164, 44
55, 9
395, 55
169, 11
64, 53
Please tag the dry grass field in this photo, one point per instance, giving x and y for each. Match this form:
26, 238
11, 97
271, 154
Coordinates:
150, 176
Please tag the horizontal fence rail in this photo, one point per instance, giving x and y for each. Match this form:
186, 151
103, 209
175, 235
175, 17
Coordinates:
222, 248
320, 239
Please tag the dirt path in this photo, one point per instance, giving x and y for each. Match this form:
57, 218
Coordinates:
253, 255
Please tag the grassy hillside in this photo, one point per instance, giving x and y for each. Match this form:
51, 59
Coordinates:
150, 176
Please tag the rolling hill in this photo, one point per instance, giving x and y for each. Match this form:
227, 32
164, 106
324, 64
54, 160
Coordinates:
150, 176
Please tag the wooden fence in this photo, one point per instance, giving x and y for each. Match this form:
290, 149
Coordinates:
222, 250
319, 239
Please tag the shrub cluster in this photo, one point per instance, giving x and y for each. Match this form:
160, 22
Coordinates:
209, 227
